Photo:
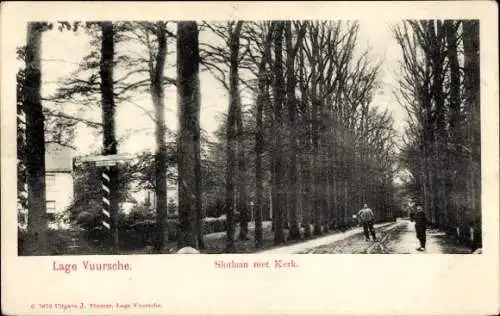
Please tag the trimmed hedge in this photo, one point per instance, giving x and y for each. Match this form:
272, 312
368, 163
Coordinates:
214, 224
142, 233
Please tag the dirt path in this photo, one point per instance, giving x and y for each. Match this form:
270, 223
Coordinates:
346, 240
403, 240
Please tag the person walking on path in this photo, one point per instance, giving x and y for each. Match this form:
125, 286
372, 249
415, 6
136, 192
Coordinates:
420, 226
366, 218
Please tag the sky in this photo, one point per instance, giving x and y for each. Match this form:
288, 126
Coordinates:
62, 51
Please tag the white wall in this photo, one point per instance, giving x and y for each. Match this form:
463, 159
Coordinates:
61, 192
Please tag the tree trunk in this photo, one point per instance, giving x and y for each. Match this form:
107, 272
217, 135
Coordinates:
455, 114
198, 176
306, 200
342, 186
108, 120
306, 157
241, 197
277, 155
440, 121
230, 187
197, 149
259, 148
188, 142
231, 136
336, 180
323, 176
304, 188
35, 144
331, 174
427, 142
472, 101
242, 186
294, 232
315, 144
242, 202
263, 96
158, 95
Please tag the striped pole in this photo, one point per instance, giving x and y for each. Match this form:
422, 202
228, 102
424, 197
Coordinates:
24, 210
106, 222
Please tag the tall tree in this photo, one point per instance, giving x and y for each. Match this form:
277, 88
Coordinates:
220, 60
189, 130
315, 130
278, 185
291, 52
455, 115
234, 80
156, 70
306, 170
437, 51
472, 103
35, 143
262, 98
231, 130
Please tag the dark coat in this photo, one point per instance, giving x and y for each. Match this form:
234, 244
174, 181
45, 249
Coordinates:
420, 219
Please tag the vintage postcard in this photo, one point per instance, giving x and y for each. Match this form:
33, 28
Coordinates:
318, 158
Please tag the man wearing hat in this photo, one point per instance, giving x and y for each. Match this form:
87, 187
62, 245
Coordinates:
420, 226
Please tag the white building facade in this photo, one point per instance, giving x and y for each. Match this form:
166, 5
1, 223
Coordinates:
58, 185
58, 182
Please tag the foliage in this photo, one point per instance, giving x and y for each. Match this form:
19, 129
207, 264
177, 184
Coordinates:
86, 207
143, 169
22, 199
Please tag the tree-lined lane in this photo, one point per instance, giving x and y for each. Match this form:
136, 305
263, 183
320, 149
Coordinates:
393, 238
344, 240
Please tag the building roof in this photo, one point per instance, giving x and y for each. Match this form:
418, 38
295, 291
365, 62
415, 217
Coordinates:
58, 158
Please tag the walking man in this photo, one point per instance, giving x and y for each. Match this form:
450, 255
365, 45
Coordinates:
366, 218
420, 226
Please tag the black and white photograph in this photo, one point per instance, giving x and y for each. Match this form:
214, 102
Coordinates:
237, 136
323, 158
